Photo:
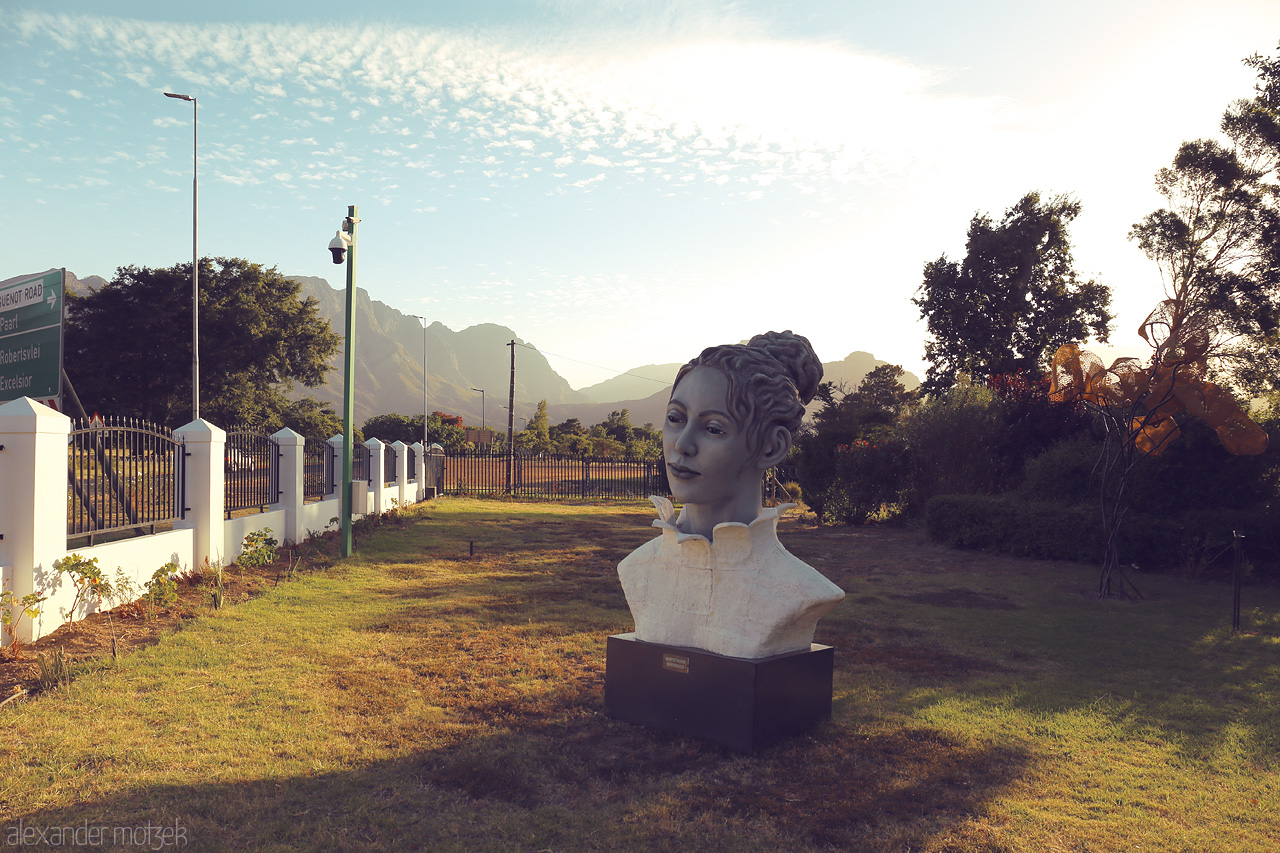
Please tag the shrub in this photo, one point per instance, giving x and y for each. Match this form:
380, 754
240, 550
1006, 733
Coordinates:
1197, 473
1190, 542
90, 583
870, 475
1065, 474
954, 443
162, 589
258, 549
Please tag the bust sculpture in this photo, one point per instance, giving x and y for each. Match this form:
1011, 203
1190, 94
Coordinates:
718, 579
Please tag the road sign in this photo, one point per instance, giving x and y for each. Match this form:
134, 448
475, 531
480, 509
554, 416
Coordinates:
480, 436
31, 338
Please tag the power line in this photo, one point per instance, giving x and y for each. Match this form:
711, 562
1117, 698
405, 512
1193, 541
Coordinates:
597, 366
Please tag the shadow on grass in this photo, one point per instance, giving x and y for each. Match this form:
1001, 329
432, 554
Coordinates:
591, 783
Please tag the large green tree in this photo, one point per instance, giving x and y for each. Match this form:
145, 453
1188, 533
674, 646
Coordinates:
1217, 242
128, 345
1014, 299
311, 418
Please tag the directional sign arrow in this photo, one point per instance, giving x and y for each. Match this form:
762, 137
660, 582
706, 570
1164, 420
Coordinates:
52, 299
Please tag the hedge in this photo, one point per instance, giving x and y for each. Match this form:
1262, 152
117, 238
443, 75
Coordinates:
1010, 524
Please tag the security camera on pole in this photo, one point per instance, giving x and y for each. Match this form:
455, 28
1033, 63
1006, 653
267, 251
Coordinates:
344, 244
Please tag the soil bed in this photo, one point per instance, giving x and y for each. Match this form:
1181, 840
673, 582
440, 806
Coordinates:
130, 626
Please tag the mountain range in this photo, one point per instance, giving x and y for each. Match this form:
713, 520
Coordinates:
389, 369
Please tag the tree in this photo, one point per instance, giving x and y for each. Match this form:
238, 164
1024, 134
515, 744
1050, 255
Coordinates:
618, 426
312, 419
847, 458
443, 429
446, 431
394, 427
128, 344
572, 426
1013, 301
882, 390
539, 431
1217, 243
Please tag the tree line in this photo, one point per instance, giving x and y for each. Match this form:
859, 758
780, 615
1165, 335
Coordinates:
614, 436
984, 422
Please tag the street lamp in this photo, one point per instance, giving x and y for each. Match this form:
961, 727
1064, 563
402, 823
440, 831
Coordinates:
424, 380
481, 390
195, 263
344, 245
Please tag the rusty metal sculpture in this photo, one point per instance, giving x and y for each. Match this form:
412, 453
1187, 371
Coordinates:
1139, 406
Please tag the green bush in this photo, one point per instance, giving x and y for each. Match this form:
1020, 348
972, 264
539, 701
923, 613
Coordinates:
954, 444
258, 549
1009, 525
1196, 473
870, 475
1065, 474
1192, 542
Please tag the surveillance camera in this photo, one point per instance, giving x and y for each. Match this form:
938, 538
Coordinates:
338, 246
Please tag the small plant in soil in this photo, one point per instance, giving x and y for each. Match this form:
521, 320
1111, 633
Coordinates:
12, 612
258, 549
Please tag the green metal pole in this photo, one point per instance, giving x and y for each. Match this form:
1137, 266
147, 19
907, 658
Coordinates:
348, 397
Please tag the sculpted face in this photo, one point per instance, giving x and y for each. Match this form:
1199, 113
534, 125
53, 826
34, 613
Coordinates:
708, 461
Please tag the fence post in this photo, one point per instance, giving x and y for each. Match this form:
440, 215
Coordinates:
204, 489
377, 472
292, 495
335, 447
420, 473
33, 505
435, 479
402, 471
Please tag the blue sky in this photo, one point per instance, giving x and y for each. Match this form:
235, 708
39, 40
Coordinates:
619, 182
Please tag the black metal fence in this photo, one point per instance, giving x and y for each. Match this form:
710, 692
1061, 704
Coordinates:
412, 469
252, 467
553, 475
123, 473
318, 476
388, 465
361, 470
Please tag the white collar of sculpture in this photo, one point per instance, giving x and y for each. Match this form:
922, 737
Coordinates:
739, 594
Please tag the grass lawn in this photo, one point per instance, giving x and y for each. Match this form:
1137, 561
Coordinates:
421, 697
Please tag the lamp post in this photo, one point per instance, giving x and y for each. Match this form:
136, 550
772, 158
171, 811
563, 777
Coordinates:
344, 244
424, 381
195, 262
481, 390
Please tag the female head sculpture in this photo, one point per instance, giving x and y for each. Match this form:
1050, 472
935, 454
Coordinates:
733, 412
717, 578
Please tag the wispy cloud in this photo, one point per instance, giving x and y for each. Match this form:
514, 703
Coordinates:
757, 114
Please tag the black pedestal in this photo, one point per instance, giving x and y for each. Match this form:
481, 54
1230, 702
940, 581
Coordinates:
741, 703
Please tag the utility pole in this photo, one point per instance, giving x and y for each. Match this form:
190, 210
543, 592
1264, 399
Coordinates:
511, 416
425, 405
346, 535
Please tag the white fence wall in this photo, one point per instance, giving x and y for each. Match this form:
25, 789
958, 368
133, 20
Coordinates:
33, 509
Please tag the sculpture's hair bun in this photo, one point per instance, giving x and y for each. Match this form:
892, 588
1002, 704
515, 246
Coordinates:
797, 358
